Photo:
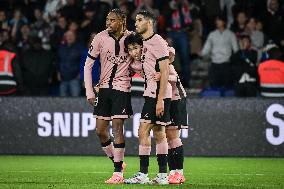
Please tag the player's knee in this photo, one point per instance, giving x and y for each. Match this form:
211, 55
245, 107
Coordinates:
143, 132
172, 134
102, 133
117, 133
159, 135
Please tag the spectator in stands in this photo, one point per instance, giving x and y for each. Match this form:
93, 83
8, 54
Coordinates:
37, 67
40, 28
248, 7
4, 25
220, 45
51, 8
74, 26
226, 7
238, 27
71, 11
4, 37
178, 23
146, 5
101, 9
11, 82
274, 22
17, 22
257, 37
29, 7
271, 74
70, 55
88, 23
22, 40
57, 36
244, 69
196, 33
211, 9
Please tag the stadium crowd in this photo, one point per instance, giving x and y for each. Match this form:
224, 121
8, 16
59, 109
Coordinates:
48, 42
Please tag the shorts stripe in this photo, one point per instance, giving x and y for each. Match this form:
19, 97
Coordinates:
102, 117
120, 117
162, 123
145, 121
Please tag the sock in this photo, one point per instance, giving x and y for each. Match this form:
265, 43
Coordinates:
162, 162
108, 149
144, 163
162, 153
118, 153
144, 155
179, 157
176, 155
171, 160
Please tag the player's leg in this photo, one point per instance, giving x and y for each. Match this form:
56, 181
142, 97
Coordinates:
102, 114
161, 152
120, 110
175, 157
161, 144
105, 140
146, 124
144, 154
144, 146
119, 144
176, 154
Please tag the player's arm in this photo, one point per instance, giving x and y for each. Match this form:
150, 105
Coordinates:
164, 71
93, 53
172, 77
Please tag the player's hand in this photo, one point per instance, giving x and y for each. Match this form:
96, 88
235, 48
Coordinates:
92, 101
157, 76
171, 57
160, 108
97, 89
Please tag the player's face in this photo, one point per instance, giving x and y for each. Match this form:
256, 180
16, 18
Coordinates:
141, 24
135, 51
113, 23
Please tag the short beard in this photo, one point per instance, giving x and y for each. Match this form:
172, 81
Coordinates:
142, 31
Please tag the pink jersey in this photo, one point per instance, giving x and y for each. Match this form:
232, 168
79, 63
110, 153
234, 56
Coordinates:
114, 63
155, 49
178, 91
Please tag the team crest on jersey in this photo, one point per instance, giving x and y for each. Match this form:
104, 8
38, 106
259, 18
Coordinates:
145, 50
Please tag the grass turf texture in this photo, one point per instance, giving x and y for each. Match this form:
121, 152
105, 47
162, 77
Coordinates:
90, 172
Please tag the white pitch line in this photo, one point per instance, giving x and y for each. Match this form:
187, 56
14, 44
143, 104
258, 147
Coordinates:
105, 172
39, 171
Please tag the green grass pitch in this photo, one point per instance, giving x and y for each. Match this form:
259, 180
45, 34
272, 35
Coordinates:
54, 172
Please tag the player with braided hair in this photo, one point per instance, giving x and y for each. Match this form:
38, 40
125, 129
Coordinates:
112, 102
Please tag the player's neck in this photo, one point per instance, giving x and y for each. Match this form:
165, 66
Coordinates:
118, 34
148, 34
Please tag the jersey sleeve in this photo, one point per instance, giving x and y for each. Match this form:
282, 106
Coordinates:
94, 49
161, 49
93, 53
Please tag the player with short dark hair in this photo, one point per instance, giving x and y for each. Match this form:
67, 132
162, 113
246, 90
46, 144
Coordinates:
156, 110
134, 44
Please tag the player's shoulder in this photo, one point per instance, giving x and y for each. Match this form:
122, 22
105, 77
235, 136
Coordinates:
101, 34
157, 40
